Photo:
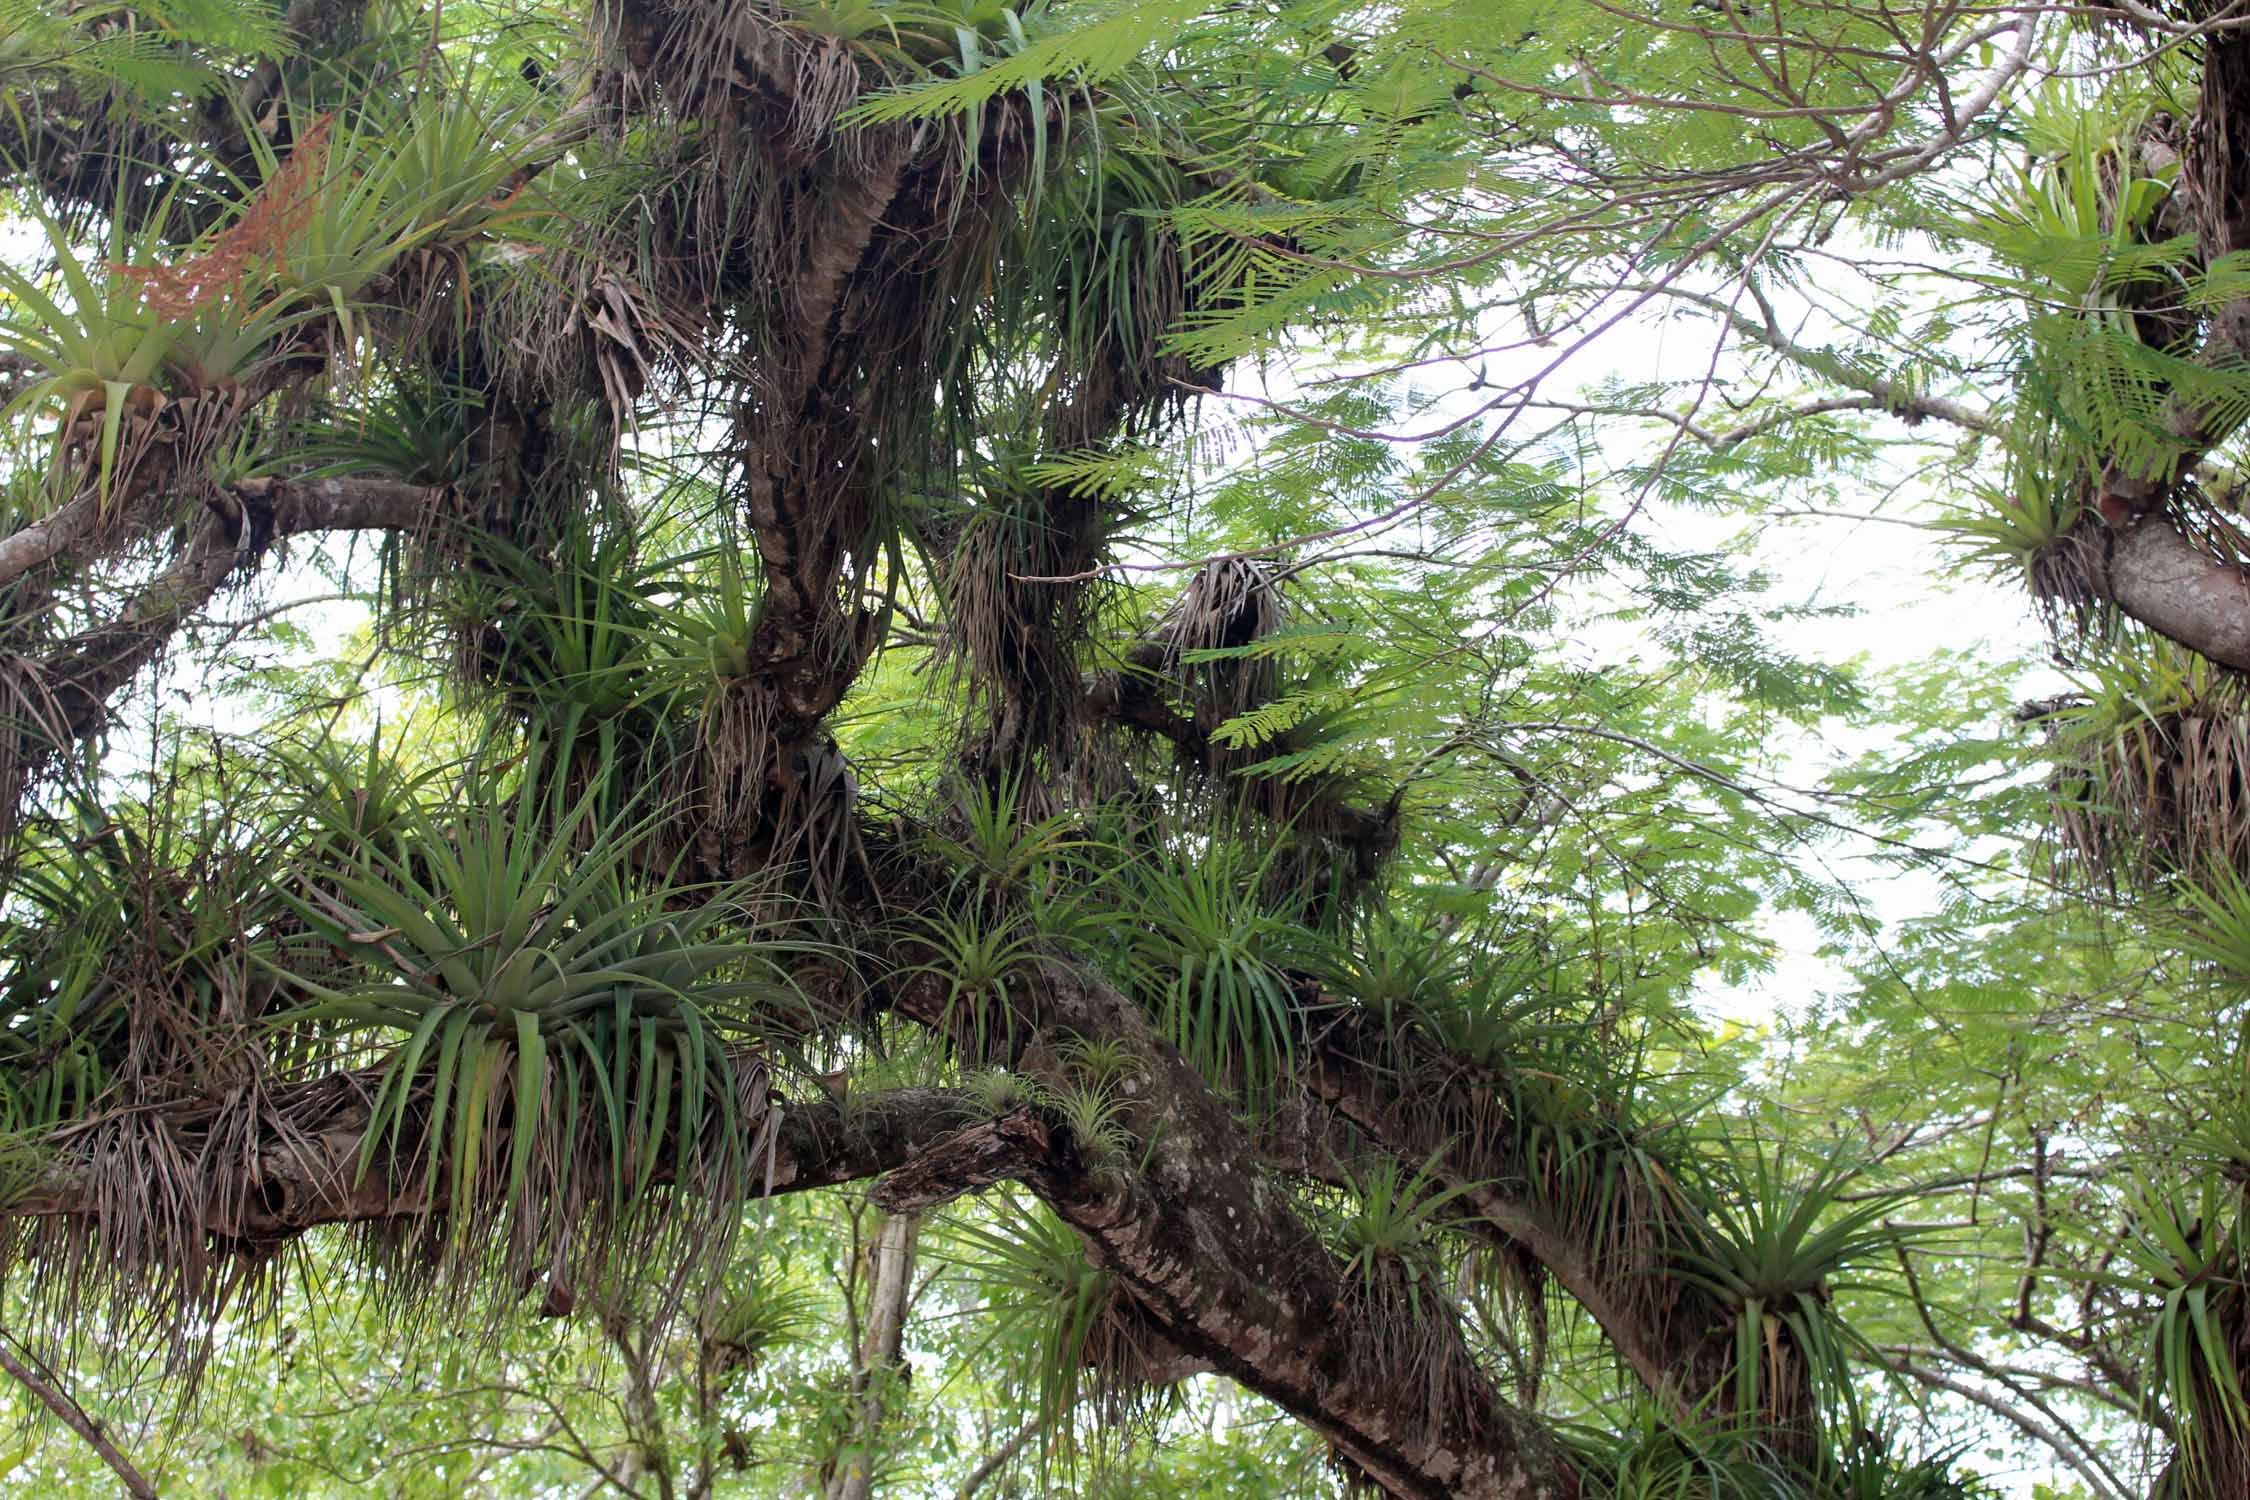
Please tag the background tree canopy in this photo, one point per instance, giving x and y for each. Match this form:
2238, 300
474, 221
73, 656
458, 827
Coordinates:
759, 748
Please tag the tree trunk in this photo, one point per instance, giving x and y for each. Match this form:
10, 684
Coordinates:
880, 1360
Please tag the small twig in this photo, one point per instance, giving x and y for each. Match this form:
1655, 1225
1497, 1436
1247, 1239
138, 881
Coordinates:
76, 1418
994, 1461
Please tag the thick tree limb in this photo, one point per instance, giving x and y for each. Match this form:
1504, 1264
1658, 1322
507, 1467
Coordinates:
1206, 1245
966, 1163
1211, 1250
354, 502
2157, 576
314, 1179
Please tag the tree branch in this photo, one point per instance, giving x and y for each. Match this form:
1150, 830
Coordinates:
1221, 1263
2154, 574
2073, 1451
880, 1351
1667, 1348
80, 673
314, 1178
76, 1418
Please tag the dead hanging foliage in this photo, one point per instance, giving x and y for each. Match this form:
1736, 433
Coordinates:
1613, 1191
1509, 1121
1108, 281
1073, 1338
703, 57
1013, 642
1215, 660
1400, 1315
33, 728
599, 320
735, 753
547, 1193
636, 335
1130, 1367
140, 1055
2152, 771
572, 1109
783, 803
1229, 607
2061, 575
276, 216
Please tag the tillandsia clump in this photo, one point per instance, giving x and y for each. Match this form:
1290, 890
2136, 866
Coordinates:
753, 747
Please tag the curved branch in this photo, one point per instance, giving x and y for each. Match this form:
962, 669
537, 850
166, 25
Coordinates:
1669, 1353
2074, 1451
1216, 1256
81, 673
2154, 574
314, 1178
77, 1419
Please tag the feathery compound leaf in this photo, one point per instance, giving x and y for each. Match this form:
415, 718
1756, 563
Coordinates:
1088, 44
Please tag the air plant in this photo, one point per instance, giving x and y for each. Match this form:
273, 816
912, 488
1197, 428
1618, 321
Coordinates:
703, 653
711, 630
1464, 991
1213, 962
98, 351
574, 636
2014, 527
750, 1316
1001, 856
1395, 1287
982, 960
2185, 1251
993, 1092
416, 428
127, 931
1775, 1247
369, 795
535, 997
1095, 1119
1063, 1326
2151, 766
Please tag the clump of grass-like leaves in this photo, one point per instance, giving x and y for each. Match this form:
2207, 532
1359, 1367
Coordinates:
138, 1055
1774, 1247
2152, 770
560, 1031
1395, 1282
2185, 1253
1214, 963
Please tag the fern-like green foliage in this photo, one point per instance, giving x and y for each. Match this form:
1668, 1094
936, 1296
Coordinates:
153, 53
1081, 45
